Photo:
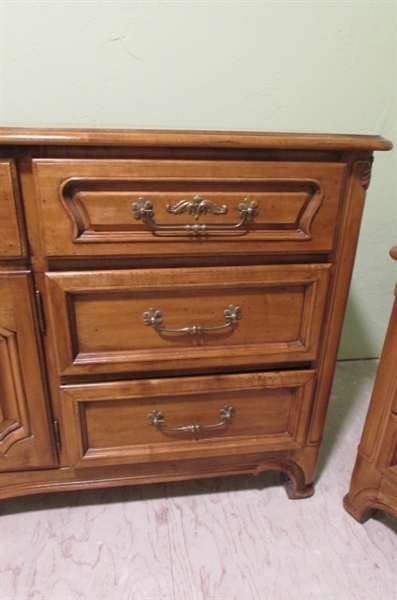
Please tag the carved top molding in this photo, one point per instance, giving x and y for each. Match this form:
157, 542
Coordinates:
365, 173
219, 139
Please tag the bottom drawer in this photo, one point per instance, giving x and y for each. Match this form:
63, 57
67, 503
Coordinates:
170, 419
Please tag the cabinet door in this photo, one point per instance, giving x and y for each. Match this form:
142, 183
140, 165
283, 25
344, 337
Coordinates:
26, 436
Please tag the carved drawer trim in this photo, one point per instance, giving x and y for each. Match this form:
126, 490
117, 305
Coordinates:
107, 422
98, 319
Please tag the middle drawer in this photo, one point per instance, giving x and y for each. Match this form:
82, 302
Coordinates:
185, 320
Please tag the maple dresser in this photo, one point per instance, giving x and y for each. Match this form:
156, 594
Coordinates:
374, 481
171, 302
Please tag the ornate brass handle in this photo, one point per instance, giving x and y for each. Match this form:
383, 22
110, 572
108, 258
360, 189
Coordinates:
143, 210
157, 418
154, 318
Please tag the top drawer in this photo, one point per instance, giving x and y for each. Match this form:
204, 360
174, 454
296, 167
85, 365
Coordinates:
184, 207
12, 243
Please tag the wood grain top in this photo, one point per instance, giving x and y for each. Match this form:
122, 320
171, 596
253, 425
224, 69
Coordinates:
220, 139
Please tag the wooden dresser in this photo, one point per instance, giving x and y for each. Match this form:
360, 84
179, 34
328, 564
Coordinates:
171, 302
374, 481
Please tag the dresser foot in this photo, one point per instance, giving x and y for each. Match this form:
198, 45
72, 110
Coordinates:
361, 511
294, 489
369, 492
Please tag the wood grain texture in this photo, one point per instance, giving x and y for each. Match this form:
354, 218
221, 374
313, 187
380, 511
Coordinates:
108, 423
101, 265
97, 322
87, 205
222, 139
25, 430
12, 234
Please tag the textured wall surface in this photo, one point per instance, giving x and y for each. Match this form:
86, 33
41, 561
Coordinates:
271, 66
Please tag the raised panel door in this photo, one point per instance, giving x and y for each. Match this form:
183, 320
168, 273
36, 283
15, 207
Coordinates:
26, 438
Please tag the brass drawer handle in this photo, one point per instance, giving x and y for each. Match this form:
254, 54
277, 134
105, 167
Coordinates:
157, 418
154, 318
143, 210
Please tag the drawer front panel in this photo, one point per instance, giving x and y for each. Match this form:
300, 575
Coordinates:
185, 319
134, 207
12, 243
111, 423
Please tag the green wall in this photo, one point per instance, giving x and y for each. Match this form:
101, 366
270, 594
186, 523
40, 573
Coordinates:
313, 66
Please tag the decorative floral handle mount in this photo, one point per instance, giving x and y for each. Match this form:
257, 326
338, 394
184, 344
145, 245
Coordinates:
157, 418
143, 210
154, 318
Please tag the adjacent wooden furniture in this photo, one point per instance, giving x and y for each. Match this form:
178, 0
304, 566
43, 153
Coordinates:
171, 302
374, 481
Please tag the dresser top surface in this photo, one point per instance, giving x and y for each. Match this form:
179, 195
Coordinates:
210, 139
